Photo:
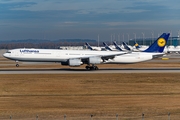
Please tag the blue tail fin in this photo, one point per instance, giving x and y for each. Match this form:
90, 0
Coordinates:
159, 44
89, 47
126, 46
117, 47
106, 46
136, 45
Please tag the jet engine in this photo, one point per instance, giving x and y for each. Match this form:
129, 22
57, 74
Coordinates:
75, 62
95, 60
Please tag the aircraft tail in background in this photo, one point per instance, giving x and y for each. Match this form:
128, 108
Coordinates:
126, 46
89, 47
136, 45
93, 47
107, 47
117, 46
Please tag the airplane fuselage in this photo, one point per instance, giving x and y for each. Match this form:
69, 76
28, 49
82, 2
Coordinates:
54, 55
91, 58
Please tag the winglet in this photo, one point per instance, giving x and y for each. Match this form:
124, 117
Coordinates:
117, 47
106, 46
159, 44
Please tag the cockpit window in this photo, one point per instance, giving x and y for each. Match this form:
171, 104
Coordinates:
8, 52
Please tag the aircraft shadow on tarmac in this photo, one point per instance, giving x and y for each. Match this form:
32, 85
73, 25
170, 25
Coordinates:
118, 69
101, 69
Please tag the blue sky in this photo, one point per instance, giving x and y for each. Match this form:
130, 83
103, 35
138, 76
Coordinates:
86, 19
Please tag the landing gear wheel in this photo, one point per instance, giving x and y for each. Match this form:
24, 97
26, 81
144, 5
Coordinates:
96, 68
17, 65
92, 68
87, 67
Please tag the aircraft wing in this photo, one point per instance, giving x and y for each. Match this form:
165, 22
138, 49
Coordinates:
106, 57
86, 59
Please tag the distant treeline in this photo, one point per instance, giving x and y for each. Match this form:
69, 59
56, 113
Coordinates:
45, 44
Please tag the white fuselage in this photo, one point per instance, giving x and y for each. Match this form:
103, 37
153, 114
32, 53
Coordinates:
56, 55
131, 58
52, 55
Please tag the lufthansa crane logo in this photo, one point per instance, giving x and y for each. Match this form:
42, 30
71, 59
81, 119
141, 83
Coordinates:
136, 44
161, 42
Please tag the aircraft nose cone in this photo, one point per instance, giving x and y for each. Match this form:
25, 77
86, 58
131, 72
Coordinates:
5, 55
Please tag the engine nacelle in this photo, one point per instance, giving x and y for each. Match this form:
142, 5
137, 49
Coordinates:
75, 62
95, 60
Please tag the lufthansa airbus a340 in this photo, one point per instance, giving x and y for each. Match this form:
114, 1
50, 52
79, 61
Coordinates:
91, 58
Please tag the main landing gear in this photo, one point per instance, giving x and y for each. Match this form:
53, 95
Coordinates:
88, 67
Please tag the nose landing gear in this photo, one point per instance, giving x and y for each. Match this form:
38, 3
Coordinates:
17, 65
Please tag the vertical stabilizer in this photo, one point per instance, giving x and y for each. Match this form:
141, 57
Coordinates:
117, 47
159, 44
89, 47
126, 46
136, 45
106, 46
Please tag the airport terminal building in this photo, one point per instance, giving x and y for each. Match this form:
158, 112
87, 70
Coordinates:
173, 41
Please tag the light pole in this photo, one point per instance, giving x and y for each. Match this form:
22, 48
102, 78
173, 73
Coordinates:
152, 36
98, 40
171, 37
114, 38
143, 37
134, 36
123, 37
128, 38
111, 38
119, 38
